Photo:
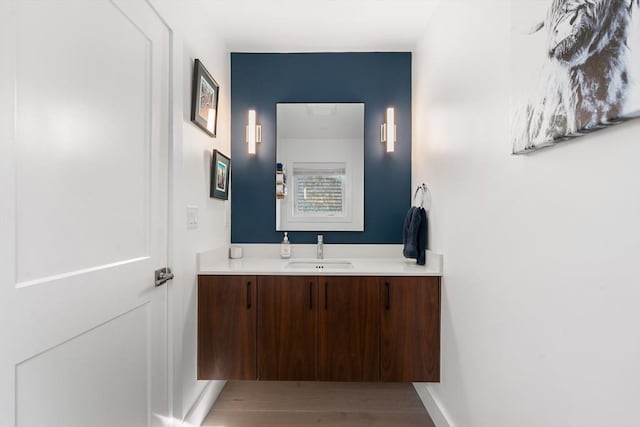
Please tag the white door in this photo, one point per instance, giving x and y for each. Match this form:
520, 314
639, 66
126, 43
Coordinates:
84, 99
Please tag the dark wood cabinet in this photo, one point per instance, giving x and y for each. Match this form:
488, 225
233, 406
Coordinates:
349, 332
410, 329
227, 327
287, 328
324, 328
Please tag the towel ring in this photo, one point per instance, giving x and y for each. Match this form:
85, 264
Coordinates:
425, 190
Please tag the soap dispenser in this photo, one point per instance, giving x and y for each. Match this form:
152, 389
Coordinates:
285, 247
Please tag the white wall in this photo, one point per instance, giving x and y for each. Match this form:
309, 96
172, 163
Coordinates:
193, 38
541, 289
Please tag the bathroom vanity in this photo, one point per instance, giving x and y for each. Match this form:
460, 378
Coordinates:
347, 319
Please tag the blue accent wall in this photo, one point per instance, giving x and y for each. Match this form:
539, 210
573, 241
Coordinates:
378, 79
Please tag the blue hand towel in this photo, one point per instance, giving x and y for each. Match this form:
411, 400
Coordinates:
409, 233
422, 238
414, 235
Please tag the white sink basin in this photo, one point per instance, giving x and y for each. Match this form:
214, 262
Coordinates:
321, 264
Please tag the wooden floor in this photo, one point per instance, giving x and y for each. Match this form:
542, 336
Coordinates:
290, 403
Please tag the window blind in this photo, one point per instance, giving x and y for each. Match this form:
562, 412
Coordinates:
319, 189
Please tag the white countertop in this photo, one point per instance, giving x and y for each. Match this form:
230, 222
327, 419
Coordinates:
366, 260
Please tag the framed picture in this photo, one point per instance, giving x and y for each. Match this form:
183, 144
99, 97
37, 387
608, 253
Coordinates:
220, 168
204, 99
574, 67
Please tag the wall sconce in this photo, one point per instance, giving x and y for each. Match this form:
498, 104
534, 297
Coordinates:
388, 131
253, 132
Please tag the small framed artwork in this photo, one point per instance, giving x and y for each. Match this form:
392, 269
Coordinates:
220, 168
204, 99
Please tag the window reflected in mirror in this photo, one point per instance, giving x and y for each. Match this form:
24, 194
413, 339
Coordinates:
321, 149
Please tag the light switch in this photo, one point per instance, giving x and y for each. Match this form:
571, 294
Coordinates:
192, 217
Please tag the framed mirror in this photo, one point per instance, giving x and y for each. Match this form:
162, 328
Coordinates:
320, 156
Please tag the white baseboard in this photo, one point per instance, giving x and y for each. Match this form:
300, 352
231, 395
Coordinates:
433, 406
203, 404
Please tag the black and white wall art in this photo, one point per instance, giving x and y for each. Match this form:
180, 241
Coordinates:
575, 68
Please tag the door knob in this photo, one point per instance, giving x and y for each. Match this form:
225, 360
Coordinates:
162, 275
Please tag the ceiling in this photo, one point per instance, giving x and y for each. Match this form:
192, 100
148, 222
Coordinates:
320, 25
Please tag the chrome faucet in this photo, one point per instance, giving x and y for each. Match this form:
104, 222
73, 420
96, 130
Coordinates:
320, 247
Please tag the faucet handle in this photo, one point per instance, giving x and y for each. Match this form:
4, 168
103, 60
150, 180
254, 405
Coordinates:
320, 248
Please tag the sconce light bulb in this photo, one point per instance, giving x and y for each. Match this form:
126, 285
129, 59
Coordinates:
251, 131
391, 130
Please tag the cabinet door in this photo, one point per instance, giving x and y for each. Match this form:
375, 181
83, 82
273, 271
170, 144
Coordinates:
349, 335
227, 327
287, 328
410, 329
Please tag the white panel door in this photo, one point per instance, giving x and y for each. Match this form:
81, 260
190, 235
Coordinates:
84, 100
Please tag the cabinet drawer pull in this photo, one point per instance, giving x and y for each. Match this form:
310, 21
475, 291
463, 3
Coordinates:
388, 303
310, 295
326, 296
248, 295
